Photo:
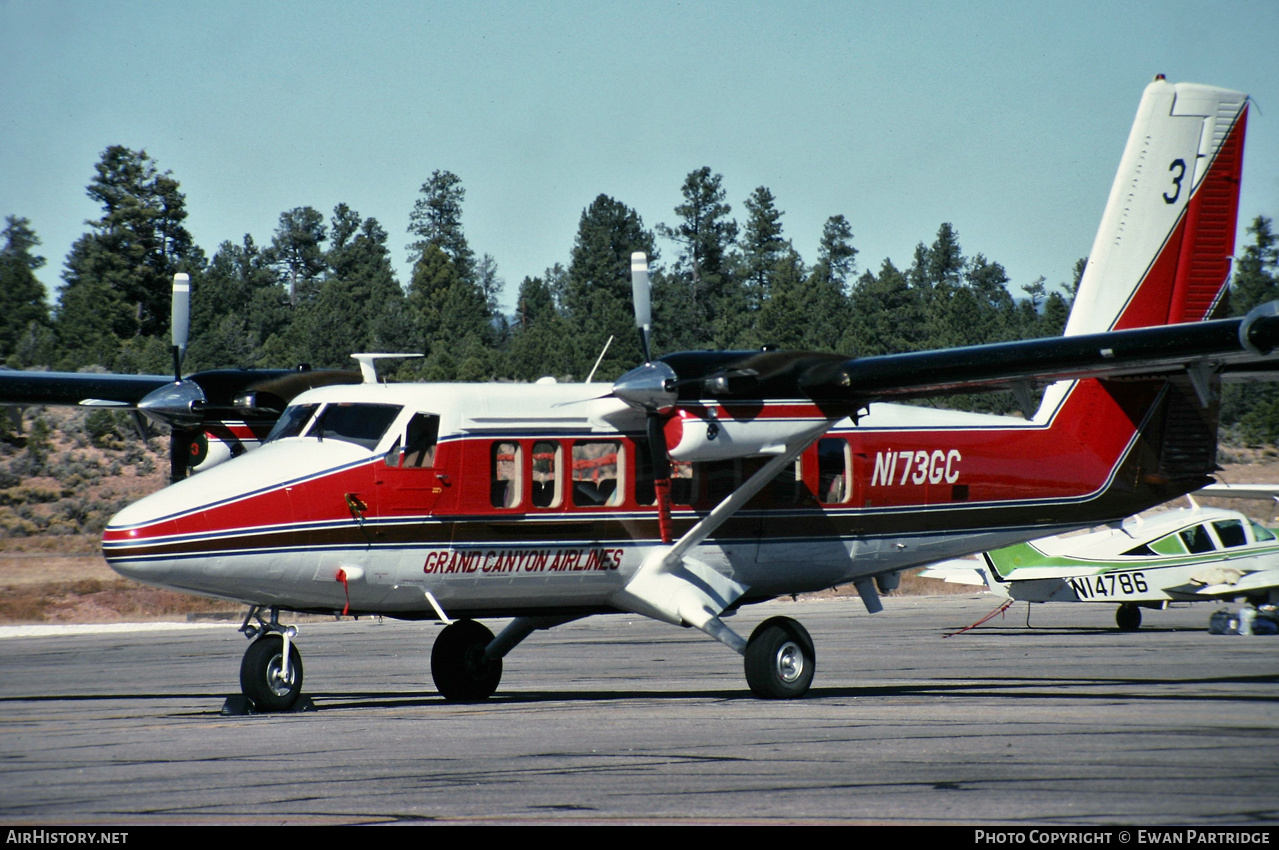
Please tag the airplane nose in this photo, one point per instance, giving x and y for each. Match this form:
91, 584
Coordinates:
129, 536
146, 541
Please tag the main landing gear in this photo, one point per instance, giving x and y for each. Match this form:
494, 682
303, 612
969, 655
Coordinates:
1128, 617
780, 659
466, 661
459, 666
271, 671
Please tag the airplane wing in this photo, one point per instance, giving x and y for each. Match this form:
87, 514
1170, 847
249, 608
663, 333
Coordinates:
957, 571
77, 388
1241, 491
1165, 350
260, 393
1248, 583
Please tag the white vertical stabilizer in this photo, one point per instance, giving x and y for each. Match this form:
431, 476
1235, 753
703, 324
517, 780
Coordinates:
1162, 252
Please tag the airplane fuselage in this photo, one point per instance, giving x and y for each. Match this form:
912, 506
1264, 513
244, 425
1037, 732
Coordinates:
538, 498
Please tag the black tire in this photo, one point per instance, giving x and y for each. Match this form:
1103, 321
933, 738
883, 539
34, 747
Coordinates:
260, 674
457, 663
780, 660
1128, 617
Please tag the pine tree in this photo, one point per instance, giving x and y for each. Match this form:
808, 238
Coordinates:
836, 256
118, 277
1253, 408
762, 245
449, 316
297, 252
437, 220
700, 303
237, 304
888, 314
540, 339
22, 297
598, 289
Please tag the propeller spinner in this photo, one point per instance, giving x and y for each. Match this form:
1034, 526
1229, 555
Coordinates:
178, 404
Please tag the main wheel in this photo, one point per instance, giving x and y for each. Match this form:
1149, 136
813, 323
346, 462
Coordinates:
458, 666
780, 660
1128, 617
260, 674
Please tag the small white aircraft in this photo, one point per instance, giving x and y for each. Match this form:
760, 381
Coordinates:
1181, 555
703, 481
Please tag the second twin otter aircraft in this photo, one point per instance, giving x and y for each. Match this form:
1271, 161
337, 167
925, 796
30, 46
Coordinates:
704, 481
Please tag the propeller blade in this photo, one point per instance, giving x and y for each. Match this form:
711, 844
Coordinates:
180, 442
640, 293
180, 320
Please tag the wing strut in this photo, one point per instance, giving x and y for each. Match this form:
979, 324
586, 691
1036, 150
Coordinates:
674, 588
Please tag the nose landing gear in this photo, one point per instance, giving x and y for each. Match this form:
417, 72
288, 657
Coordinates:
271, 670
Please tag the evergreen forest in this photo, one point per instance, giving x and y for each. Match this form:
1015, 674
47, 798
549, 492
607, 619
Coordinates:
322, 286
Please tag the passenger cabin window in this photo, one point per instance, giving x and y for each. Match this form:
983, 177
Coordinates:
362, 424
505, 485
546, 487
787, 487
1230, 532
683, 483
832, 471
597, 469
292, 421
722, 478
682, 492
1197, 539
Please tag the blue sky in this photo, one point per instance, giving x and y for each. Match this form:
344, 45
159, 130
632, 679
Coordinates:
1006, 119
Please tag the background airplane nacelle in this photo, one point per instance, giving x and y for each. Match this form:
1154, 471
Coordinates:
700, 433
220, 442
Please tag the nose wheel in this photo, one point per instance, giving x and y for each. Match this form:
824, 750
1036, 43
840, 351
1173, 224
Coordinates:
271, 670
265, 679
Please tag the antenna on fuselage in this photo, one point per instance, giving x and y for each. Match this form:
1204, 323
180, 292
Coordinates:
600, 359
368, 364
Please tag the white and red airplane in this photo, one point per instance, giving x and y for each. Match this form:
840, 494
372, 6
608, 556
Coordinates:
703, 481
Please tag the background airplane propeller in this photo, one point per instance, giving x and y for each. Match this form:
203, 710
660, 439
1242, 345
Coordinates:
189, 406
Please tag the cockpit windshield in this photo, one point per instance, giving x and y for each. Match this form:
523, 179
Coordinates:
362, 424
292, 421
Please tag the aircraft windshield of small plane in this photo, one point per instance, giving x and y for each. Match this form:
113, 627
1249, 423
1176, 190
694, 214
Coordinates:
1260, 533
292, 421
1193, 540
362, 424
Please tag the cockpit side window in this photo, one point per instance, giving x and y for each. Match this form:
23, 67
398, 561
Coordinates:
292, 421
1261, 533
419, 440
362, 424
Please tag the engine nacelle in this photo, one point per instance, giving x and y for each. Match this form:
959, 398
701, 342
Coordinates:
705, 432
221, 441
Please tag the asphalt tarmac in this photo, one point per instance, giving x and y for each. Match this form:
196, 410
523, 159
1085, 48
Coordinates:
622, 720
